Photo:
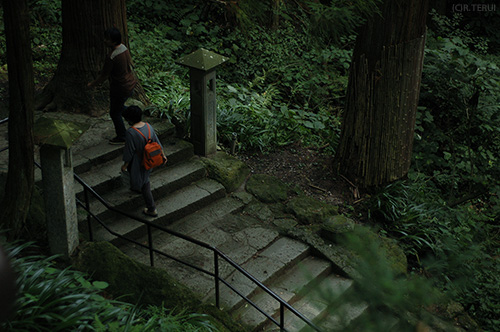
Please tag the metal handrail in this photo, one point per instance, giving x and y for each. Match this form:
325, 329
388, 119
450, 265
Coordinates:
217, 254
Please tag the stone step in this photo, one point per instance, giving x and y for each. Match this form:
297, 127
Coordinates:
107, 176
315, 305
170, 208
203, 225
96, 150
266, 266
296, 281
163, 182
384, 320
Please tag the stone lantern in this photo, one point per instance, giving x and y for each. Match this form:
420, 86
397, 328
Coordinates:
56, 138
202, 64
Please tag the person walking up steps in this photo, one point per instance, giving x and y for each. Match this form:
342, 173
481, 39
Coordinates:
118, 69
133, 153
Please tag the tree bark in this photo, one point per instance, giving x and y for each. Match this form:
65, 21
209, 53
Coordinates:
382, 95
275, 20
83, 54
20, 177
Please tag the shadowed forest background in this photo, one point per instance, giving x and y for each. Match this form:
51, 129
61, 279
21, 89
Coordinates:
283, 92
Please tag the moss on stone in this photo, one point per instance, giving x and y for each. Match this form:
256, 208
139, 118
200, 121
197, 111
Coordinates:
227, 170
259, 211
279, 210
243, 196
285, 224
267, 189
335, 225
309, 210
387, 248
395, 255
342, 259
137, 283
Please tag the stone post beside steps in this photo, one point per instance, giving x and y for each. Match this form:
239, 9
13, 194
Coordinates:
59, 196
56, 138
202, 64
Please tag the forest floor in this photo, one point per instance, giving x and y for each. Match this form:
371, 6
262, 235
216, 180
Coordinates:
308, 168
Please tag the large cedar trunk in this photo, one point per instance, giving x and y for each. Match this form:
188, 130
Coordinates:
384, 82
20, 176
82, 56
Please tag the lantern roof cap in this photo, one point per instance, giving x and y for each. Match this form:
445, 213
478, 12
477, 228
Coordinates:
202, 59
56, 132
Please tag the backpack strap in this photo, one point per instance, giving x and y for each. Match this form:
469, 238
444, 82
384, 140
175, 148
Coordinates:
149, 133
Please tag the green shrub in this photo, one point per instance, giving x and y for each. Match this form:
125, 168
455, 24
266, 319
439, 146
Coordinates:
458, 121
456, 247
261, 123
51, 299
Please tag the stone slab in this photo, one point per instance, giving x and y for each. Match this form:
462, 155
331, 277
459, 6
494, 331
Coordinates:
298, 278
169, 208
264, 266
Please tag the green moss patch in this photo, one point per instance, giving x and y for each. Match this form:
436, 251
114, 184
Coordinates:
267, 189
309, 210
227, 170
335, 225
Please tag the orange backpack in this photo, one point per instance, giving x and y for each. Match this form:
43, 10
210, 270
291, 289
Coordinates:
153, 155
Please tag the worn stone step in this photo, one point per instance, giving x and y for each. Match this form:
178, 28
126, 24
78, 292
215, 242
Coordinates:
204, 284
107, 176
266, 266
297, 280
170, 208
386, 321
94, 149
163, 183
203, 225
315, 305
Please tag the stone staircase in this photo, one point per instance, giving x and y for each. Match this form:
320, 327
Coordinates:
190, 203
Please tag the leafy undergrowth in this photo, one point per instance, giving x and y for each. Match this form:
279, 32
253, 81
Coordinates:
54, 299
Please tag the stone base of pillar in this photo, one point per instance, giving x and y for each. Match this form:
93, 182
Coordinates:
59, 196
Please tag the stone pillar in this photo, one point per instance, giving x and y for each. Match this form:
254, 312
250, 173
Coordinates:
59, 196
202, 64
203, 112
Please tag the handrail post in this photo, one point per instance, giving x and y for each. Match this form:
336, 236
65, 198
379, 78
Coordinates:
89, 218
216, 273
150, 241
282, 317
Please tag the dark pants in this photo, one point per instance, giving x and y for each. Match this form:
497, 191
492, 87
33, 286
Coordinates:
116, 107
148, 197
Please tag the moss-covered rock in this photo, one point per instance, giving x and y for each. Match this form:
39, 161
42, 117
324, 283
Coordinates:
285, 224
309, 210
342, 259
243, 196
267, 189
387, 248
131, 279
395, 255
335, 225
135, 282
227, 170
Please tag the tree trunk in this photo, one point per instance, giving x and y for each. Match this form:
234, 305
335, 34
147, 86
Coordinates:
275, 21
384, 83
83, 54
20, 176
